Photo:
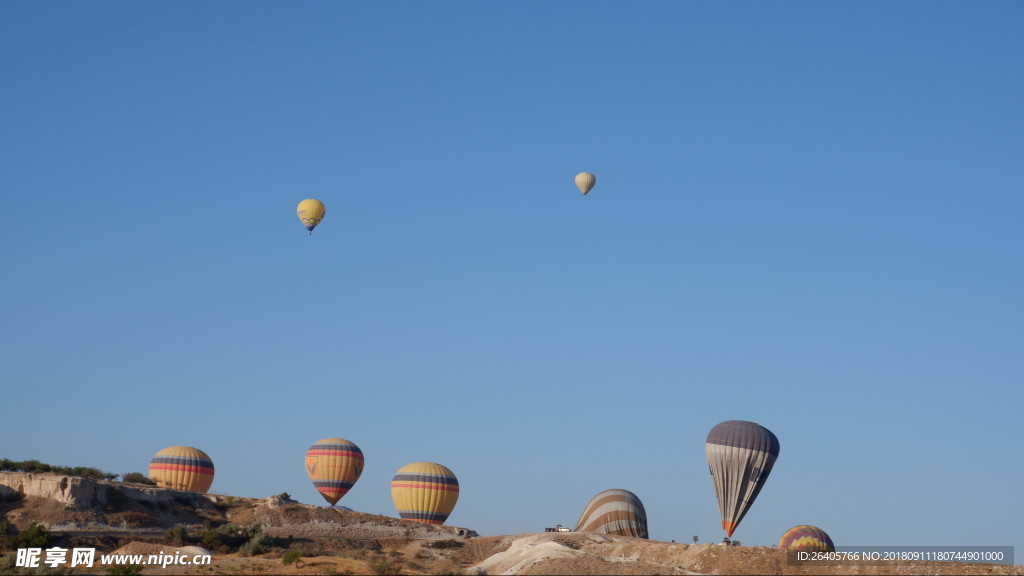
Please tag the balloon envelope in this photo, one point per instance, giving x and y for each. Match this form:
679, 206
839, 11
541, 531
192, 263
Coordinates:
617, 512
311, 212
334, 465
182, 468
740, 456
585, 181
807, 538
425, 492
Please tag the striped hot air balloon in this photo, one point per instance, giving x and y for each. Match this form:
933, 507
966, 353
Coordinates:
807, 538
182, 468
311, 212
334, 465
425, 492
617, 512
740, 456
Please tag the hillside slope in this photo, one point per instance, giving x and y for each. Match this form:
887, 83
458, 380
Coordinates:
134, 519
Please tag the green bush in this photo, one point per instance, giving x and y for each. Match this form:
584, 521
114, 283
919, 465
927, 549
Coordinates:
292, 557
258, 544
224, 538
9, 465
176, 536
213, 541
35, 536
137, 478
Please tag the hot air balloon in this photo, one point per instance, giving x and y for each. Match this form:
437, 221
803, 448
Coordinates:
617, 512
740, 457
807, 538
182, 468
334, 465
585, 181
425, 492
311, 212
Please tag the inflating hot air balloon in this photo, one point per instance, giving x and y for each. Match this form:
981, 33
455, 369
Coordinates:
617, 512
311, 212
585, 181
182, 468
425, 492
334, 465
807, 538
740, 456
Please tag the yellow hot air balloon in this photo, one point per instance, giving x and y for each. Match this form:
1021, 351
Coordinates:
585, 181
425, 492
182, 468
334, 465
311, 212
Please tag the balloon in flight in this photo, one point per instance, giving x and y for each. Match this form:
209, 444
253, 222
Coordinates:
617, 512
585, 181
425, 492
806, 538
311, 212
334, 465
182, 468
740, 457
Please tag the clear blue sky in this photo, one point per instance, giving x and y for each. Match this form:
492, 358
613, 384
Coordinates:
807, 214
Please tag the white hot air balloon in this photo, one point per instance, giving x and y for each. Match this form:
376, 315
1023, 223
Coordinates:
585, 181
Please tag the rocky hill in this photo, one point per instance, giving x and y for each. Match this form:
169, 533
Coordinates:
139, 519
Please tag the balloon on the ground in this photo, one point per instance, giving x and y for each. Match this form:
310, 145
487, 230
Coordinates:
806, 538
585, 182
334, 465
617, 512
740, 457
311, 212
182, 468
425, 492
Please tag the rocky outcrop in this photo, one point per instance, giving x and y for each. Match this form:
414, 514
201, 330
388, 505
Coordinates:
76, 492
72, 503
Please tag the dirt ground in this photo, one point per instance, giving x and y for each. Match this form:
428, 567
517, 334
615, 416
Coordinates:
556, 554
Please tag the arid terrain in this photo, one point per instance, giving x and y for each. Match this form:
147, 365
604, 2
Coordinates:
275, 535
